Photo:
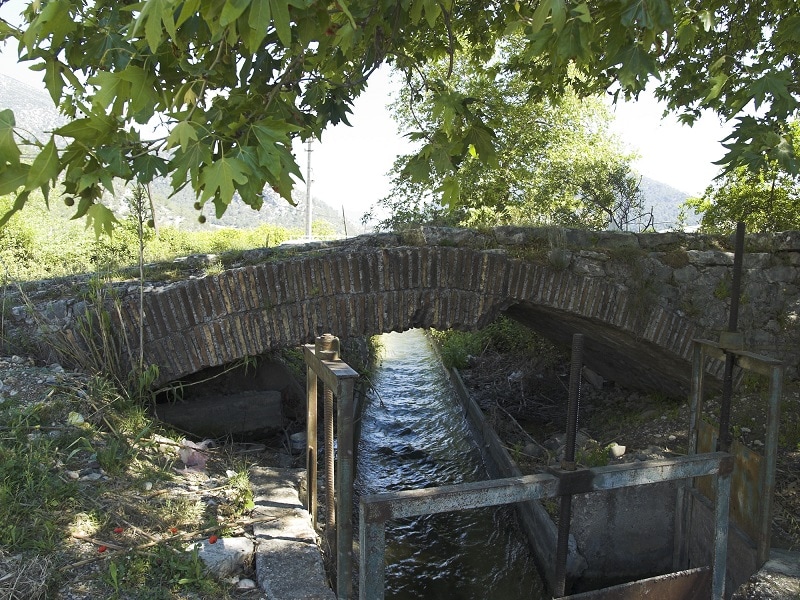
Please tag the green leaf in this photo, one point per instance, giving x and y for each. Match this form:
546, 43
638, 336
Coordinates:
181, 134
89, 130
259, 20
774, 85
102, 219
9, 151
482, 139
582, 13
112, 89
559, 13
45, 167
19, 204
280, 15
190, 8
141, 93
53, 80
232, 10
451, 191
343, 6
540, 15
13, 177
686, 35
718, 82
218, 179
707, 19
148, 167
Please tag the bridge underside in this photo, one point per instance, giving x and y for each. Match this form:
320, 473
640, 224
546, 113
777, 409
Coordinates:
615, 354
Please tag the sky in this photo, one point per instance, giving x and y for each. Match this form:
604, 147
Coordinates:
350, 165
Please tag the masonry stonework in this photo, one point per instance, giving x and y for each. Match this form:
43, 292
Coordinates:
639, 299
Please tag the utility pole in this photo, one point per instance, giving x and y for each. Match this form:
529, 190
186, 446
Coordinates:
308, 192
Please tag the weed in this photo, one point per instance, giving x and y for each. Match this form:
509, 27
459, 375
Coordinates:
722, 291
629, 255
676, 259
160, 574
593, 455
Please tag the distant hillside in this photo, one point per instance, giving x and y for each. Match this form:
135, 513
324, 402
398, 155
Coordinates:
33, 108
34, 113
665, 201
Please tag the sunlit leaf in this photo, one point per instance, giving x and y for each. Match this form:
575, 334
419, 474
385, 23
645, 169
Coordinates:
219, 178
45, 167
9, 152
101, 219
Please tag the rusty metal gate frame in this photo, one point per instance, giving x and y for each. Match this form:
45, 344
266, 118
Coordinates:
375, 510
773, 370
338, 377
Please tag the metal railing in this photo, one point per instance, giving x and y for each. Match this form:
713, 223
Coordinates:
377, 509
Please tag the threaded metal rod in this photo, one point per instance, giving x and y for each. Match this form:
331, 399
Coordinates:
330, 485
568, 463
725, 438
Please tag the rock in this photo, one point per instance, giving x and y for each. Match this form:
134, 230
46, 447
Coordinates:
778, 579
532, 450
246, 584
615, 450
225, 556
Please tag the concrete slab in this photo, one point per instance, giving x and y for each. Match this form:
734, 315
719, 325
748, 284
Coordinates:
288, 559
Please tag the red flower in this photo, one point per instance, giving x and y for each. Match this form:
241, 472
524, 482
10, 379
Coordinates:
173, 530
118, 530
213, 539
102, 548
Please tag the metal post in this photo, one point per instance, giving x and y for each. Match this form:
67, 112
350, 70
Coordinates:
323, 359
568, 463
768, 470
372, 549
724, 440
311, 444
344, 490
719, 567
680, 555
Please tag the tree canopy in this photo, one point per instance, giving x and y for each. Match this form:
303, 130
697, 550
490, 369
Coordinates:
765, 200
551, 161
212, 92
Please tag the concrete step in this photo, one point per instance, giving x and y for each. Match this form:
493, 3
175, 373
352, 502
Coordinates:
288, 559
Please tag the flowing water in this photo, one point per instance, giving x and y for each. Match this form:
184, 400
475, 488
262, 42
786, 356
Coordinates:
414, 434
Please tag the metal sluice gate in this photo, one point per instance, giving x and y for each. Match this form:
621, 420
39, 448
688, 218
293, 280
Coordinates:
377, 509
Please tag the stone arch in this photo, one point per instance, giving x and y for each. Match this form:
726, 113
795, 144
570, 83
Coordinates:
199, 323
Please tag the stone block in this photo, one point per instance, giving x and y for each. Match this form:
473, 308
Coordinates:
226, 556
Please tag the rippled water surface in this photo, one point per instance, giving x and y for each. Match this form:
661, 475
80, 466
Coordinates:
414, 434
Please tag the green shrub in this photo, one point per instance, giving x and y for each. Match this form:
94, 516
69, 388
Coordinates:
504, 335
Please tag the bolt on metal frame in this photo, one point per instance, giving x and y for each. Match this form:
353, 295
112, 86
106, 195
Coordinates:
375, 510
323, 362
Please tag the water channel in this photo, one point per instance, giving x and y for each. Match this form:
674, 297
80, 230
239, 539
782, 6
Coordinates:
413, 435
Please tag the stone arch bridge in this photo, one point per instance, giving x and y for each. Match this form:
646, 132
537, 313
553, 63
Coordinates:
639, 299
